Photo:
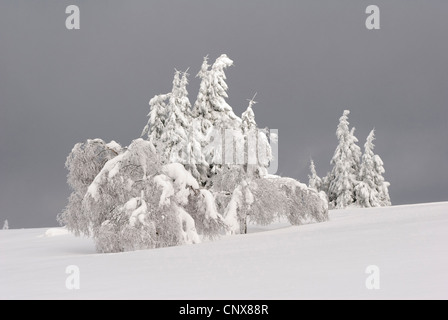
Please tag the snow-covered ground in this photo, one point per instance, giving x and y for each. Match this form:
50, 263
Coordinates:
409, 244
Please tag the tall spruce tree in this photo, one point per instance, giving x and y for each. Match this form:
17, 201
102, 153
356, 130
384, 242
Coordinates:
174, 137
372, 189
195, 161
345, 161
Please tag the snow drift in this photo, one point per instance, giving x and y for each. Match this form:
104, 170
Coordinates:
327, 260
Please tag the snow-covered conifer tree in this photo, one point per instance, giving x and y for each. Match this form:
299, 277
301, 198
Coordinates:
250, 136
314, 181
355, 150
383, 186
257, 149
372, 189
222, 112
201, 108
183, 100
345, 162
325, 186
248, 117
213, 113
157, 118
211, 107
6, 225
174, 137
194, 158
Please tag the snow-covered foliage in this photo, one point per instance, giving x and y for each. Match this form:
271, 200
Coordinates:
120, 202
248, 117
214, 116
201, 172
194, 159
372, 189
84, 162
345, 161
304, 205
353, 182
257, 149
314, 181
263, 200
211, 106
157, 118
134, 202
6, 225
174, 136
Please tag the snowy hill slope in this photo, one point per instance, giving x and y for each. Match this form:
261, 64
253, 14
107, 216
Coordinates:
328, 260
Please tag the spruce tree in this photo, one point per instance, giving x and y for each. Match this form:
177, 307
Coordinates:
345, 161
174, 138
372, 190
157, 118
211, 107
195, 161
248, 117
201, 109
314, 181
212, 113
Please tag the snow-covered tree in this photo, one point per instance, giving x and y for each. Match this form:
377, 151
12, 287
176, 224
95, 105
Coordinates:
263, 200
194, 158
183, 100
248, 117
211, 107
201, 108
122, 203
5, 225
314, 181
372, 189
222, 112
383, 187
325, 185
257, 149
84, 162
213, 113
305, 205
345, 161
174, 136
355, 150
136, 203
157, 118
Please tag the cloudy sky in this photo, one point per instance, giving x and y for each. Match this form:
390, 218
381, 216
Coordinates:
308, 61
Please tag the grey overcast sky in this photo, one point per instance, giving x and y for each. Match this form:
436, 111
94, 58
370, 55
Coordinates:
308, 61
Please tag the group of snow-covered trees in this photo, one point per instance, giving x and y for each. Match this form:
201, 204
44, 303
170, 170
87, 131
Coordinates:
356, 179
198, 171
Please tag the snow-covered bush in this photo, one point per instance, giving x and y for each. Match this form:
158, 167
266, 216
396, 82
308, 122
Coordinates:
6, 225
120, 201
265, 199
136, 203
84, 162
